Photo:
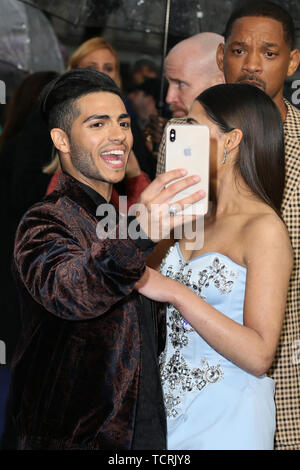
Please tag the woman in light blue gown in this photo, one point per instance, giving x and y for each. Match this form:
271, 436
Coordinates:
226, 300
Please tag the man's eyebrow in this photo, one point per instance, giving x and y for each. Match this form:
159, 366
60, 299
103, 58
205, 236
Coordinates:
96, 116
270, 44
124, 116
265, 43
238, 43
177, 80
105, 117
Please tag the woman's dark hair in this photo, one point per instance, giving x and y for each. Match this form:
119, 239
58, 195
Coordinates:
264, 9
261, 151
23, 102
58, 99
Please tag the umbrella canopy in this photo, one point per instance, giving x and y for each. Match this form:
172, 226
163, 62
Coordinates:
78, 12
187, 17
27, 39
140, 15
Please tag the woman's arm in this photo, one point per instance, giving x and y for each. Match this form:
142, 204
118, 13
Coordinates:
252, 345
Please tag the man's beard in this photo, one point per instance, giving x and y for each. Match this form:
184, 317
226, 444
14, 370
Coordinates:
84, 163
175, 109
251, 77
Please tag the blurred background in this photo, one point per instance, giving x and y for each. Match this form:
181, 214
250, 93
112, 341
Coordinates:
41, 34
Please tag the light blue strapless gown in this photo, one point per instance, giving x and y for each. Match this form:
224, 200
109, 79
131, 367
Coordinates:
211, 403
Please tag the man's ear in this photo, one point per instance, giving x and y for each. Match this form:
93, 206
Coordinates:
294, 62
220, 79
60, 140
233, 139
220, 56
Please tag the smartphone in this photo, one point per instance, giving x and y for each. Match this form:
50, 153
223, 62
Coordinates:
187, 146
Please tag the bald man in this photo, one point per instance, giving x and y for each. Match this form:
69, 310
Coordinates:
190, 68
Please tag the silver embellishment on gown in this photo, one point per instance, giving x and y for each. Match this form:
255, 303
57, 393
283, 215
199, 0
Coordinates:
181, 378
176, 375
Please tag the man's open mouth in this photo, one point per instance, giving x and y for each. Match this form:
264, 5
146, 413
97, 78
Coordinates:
114, 158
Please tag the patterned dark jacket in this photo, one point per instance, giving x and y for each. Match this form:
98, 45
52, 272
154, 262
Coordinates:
76, 370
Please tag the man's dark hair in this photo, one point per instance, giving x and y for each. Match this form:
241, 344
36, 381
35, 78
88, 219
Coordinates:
268, 10
151, 87
261, 150
140, 63
58, 98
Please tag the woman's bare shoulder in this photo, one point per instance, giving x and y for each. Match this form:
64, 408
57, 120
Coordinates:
264, 233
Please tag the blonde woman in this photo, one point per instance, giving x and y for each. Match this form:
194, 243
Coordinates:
97, 54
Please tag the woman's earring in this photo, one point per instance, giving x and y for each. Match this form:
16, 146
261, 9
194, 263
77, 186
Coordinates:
224, 157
